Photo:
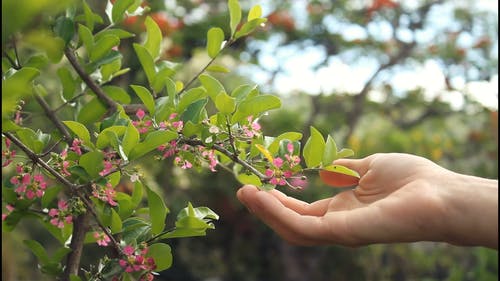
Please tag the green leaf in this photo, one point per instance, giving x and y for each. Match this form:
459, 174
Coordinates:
60, 254
256, 106
68, 83
215, 36
92, 111
341, 170
224, 103
79, 130
145, 97
86, 37
146, 61
119, 8
89, 16
314, 149
103, 46
249, 27
117, 94
212, 85
130, 139
92, 162
49, 195
64, 28
161, 78
38, 250
254, 13
157, 211
108, 69
274, 146
137, 194
234, 14
344, 153
116, 222
118, 32
330, 153
114, 178
154, 38
217, 68
189, 97
17, 86
249, 179
162, 255
242, 91
194, 111
151, 142
103, 139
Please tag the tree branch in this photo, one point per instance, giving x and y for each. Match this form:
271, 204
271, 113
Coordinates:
88, 81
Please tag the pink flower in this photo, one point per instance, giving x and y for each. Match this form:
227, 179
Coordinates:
184, 164
136, 262
142, 125
61, 215
76, 146
7, 154
102, 238
253, 129
9, 208
210, 155
106, 194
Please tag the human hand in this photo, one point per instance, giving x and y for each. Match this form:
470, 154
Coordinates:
399, 198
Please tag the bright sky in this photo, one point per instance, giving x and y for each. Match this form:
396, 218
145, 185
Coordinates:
337, 76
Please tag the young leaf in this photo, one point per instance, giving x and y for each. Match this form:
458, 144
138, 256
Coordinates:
339, 176
130, 139
92, 162
146, 61
38, 250
68, 83
79, 130
314, 149
103, 46
217, 68
157, 211
116, 222
92, 111
292, 136
249, 27
215, 36
224, 103
344, 153
86, 37
162, 255
154, 38
265, 152
145, 97
234, 15
119, 8
117, 94
152, 141
189, 97
330, 153
255, 106
255, 12
212, 85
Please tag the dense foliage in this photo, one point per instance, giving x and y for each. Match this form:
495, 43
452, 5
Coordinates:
112, 111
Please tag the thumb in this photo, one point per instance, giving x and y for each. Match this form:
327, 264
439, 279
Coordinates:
359, 165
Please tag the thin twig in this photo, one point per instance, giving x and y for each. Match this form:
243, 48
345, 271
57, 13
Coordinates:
88, 81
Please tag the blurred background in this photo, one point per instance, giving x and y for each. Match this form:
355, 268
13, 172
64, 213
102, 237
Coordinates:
419, 77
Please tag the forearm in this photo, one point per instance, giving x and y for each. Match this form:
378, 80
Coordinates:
472, 219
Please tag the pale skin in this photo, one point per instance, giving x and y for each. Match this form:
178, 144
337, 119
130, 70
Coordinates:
399, 198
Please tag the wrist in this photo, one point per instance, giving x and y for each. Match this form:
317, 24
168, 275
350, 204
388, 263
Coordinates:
471, 210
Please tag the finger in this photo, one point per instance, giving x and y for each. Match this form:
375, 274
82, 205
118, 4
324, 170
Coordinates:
317, 208
293, 227
359, 165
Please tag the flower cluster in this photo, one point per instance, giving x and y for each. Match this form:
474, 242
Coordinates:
172, 123
76, 146
7, 154
9, 208
136, 261
142, 124
105, 193
61, 215
252, 129
110, 160
101, 238
27, 186
283, 169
